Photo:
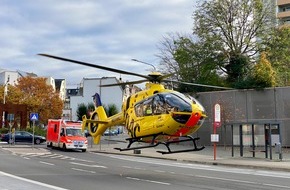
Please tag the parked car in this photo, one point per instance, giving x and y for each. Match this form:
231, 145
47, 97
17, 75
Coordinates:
22, 136
109, 132
87, 133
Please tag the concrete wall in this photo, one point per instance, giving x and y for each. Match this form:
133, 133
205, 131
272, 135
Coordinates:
247, 106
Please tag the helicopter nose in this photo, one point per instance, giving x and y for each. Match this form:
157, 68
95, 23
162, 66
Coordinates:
193, 120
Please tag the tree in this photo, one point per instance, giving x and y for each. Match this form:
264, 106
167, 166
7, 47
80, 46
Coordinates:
38, 96
111, 109
167, 48
196, 65
223, 49
190, 61
278, 51
233, 28
262, 75
81, 110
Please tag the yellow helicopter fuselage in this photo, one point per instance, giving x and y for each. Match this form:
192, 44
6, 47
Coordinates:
144, 118
150, 112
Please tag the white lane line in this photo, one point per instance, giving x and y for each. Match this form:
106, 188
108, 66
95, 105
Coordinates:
81, 170
32, 181
279, 186
150, 181
285, 175
226, 179
87, 165
65, 157
159, 171
57, 156
242, 181
47, 163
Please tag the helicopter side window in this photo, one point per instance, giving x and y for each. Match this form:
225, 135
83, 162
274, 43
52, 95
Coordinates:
144, 108
147, 107
139, 110
158, 105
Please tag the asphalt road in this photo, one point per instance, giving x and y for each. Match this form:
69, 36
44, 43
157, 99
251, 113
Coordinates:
76, 170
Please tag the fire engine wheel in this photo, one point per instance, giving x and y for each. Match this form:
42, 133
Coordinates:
93, 127
64, 147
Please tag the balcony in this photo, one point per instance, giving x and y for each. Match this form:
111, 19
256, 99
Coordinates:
283, 14
283, 2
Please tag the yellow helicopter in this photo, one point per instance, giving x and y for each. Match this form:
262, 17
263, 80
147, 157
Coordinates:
155, 115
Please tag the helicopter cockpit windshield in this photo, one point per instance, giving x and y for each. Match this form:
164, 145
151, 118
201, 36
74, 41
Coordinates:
162, 103
192, 99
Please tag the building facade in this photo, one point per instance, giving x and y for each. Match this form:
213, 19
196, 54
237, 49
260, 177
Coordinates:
283, 12
88, 88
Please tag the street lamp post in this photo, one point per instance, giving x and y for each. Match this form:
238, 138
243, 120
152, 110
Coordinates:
144, 63
4, 99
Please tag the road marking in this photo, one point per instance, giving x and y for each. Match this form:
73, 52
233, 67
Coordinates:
242, 181
56, 156
146, 180
81, 170
47, 163
273, 174
159, 171
87, 165
279, 186
32, 181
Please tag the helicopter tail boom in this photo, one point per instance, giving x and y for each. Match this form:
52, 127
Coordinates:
99, 123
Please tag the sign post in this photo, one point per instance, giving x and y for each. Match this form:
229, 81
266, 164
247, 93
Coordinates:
11, 131
33, 118
216, 124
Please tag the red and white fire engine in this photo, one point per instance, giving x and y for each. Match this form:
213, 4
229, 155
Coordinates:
65, 135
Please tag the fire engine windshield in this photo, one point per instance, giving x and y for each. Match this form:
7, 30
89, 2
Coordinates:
73, 132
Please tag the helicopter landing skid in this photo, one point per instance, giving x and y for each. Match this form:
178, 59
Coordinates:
133, 140
189, 138
167, 144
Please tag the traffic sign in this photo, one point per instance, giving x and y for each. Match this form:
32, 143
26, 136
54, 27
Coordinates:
34, 116
217, 113
10, 117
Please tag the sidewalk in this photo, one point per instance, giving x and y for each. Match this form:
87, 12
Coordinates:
206, 156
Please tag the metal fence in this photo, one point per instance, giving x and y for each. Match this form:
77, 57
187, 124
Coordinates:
247, 106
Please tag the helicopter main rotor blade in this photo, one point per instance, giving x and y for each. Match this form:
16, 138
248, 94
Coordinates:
203, 85
123, 83
95, 66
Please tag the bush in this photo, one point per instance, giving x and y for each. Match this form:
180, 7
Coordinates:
37, 131
4, 130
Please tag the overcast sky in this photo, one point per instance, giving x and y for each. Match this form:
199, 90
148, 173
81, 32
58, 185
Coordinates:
105, 32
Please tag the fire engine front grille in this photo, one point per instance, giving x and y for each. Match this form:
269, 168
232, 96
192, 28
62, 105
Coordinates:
78, 144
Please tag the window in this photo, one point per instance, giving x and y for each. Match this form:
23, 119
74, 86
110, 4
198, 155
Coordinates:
162, 103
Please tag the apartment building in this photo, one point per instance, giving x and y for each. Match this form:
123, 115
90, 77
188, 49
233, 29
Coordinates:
283, 12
